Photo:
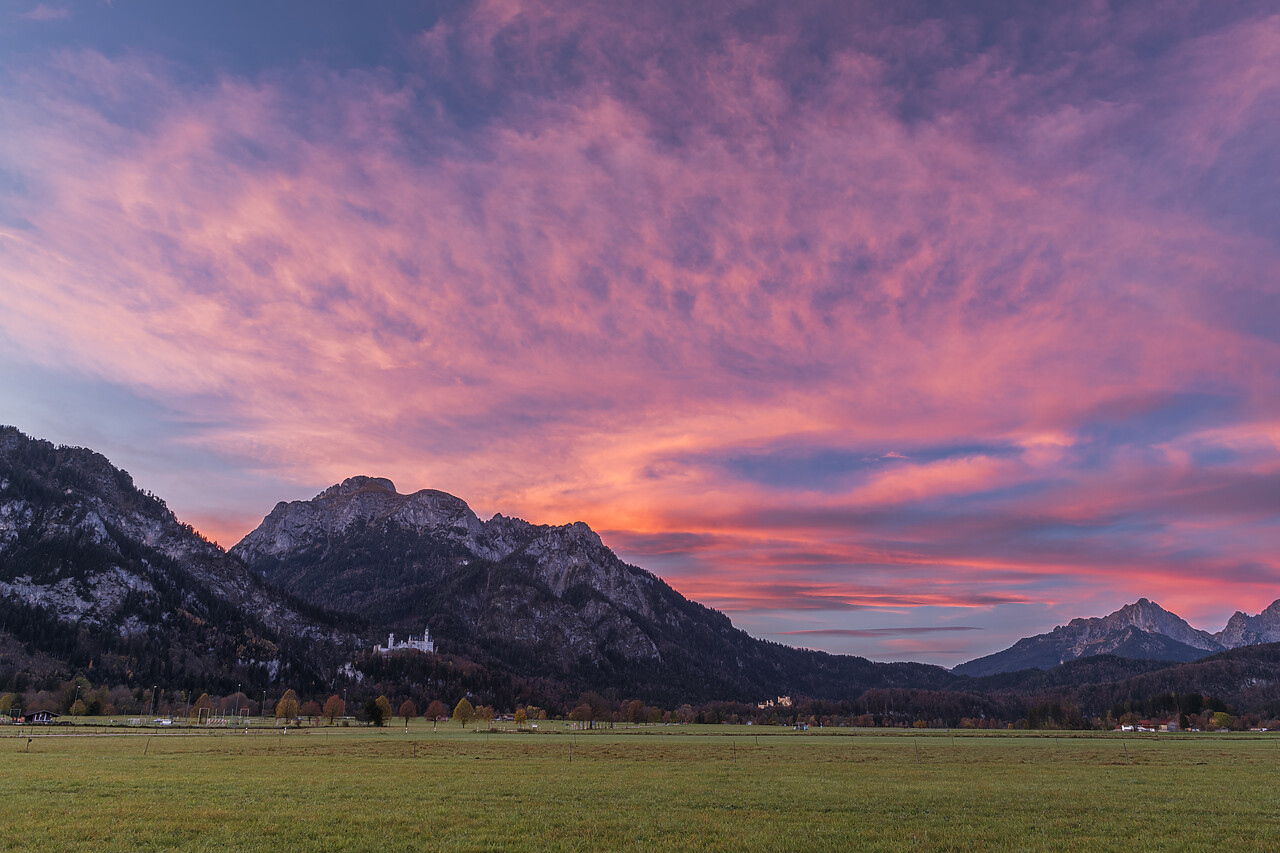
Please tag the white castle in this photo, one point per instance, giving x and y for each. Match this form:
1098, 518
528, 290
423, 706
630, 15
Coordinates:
412, 644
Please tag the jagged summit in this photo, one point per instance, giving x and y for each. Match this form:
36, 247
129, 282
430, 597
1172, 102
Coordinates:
1144, 615
1245, 630
351, 485
356, 501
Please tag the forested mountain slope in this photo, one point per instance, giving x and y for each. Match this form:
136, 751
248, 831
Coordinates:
97, 575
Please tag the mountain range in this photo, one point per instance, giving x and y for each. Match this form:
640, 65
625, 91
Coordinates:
99, 576
1142, 630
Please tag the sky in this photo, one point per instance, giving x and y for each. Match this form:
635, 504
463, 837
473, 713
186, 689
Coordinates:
902, 330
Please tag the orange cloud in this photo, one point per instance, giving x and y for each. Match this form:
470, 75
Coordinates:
592, 302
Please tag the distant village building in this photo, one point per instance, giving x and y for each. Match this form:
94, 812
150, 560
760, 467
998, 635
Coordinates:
410, 645
39, 717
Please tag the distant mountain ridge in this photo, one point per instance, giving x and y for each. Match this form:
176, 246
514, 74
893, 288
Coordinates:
1142, 630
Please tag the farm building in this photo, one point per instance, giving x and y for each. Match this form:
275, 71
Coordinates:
39, 717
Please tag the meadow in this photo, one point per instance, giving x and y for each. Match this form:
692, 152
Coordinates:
654, 789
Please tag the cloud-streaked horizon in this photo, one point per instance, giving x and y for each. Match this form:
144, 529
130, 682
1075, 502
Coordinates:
825, 313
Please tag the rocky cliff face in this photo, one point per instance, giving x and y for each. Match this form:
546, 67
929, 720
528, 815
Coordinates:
357, 541
94, 571
1144, 615
544, 601
1245, 630
355, 503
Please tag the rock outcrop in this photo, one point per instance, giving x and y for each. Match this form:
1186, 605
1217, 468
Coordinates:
1245, 630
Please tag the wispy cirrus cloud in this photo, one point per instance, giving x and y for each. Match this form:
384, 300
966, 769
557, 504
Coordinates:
808, 308
881, 632
41, 13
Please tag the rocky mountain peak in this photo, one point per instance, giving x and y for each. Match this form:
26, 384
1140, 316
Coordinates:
1245, 630
1144, 615
357, 501
1142, 629
558, 587
351, 485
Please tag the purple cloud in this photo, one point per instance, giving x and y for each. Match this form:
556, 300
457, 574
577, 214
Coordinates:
808, 307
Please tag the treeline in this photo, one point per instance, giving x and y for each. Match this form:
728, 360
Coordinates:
441, 692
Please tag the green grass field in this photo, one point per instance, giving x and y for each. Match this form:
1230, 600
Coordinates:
667, 788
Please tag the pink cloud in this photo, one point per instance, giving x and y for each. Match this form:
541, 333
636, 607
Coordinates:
559, 310
45, 13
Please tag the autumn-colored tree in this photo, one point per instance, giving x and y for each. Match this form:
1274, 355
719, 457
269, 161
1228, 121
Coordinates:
463, 712
384, 704
601, 708
287, 707
486, 714
201, 704
310, 709
581, 714
436, 711
334, 707
635, 711
78, 708
408, 710
521, 718
235, 703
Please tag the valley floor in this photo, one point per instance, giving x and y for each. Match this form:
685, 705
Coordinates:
667, 788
